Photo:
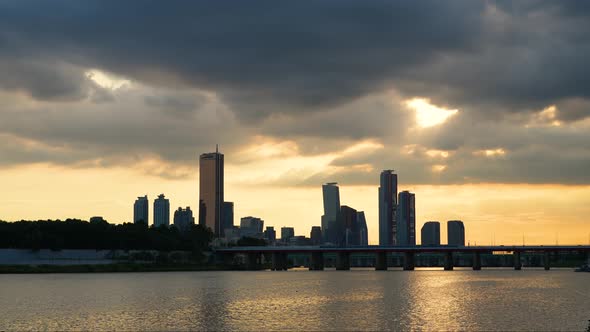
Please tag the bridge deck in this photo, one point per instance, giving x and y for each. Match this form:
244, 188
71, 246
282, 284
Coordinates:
414, 249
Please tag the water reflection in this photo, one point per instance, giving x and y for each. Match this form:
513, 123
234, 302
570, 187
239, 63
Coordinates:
298, 300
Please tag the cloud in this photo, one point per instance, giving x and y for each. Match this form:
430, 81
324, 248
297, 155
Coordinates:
108, 83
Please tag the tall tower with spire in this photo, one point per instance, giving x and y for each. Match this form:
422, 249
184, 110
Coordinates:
211, 191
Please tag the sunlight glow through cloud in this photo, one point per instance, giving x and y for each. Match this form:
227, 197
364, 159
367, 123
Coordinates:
107, 81
427, 114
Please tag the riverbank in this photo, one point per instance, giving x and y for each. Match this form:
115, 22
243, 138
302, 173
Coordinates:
104, 268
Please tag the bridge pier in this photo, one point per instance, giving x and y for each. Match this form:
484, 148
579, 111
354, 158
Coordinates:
381, 261
517, 262
476, 261
252, 261
408, 261
343, 261
279, 261
316, 263
547, 260
449, 261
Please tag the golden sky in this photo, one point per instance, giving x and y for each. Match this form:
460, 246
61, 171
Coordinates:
482, 110
544, 214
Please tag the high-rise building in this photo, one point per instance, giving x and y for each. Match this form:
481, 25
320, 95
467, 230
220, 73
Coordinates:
183, 219
331, 195
228, 215
251, 227
347, 228
430, 234
406, 219
287, 233
316, 235
161, 211
363, 231
270, 234
211, 192
140, 210
387, 208
455, 233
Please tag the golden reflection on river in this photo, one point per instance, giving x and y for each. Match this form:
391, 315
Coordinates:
298, 300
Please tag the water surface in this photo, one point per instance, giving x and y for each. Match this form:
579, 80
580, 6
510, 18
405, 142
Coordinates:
298, 300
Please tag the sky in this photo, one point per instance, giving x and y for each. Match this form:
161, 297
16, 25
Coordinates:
481, 107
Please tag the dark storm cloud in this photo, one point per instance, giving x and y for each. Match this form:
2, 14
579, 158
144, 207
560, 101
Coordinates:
259, 54
321, 74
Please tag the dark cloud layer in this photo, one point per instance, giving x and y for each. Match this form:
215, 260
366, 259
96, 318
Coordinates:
317, 73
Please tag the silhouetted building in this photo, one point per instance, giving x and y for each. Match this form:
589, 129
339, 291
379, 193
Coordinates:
287, 233
251, 227
270, 234
347, 229
331, 195
299, 240
406, 219
232, 233
363, 231
387, 208
228, 215
211, 192
140, 210
455, 233
183, 219
430, 234
316, 235
161, 211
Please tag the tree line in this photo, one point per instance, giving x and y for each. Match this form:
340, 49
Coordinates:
81, 234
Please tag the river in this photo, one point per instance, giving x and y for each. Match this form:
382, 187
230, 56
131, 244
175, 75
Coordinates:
494, 299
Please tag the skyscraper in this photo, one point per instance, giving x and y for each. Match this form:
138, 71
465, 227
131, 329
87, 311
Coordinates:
387, 208
161, 211
406, 219
183, 219
140, 210
455, 233
331, 194
430, 234
347, 227
228, 215
363, 231
211, 192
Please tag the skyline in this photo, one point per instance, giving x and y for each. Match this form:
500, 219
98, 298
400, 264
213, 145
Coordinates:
531, 236
484, 108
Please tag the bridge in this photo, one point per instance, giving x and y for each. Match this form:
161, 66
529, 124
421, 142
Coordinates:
279, 254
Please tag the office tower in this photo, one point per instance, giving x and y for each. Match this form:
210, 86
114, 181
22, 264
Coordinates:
363, 231
455, 233
270, 234
387, 208
183, 219
347, 227
228, 215
430, 233
316, 235
406, 219
287, 233
251, 227
140, 210
211, 192
331, 194
161, 211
